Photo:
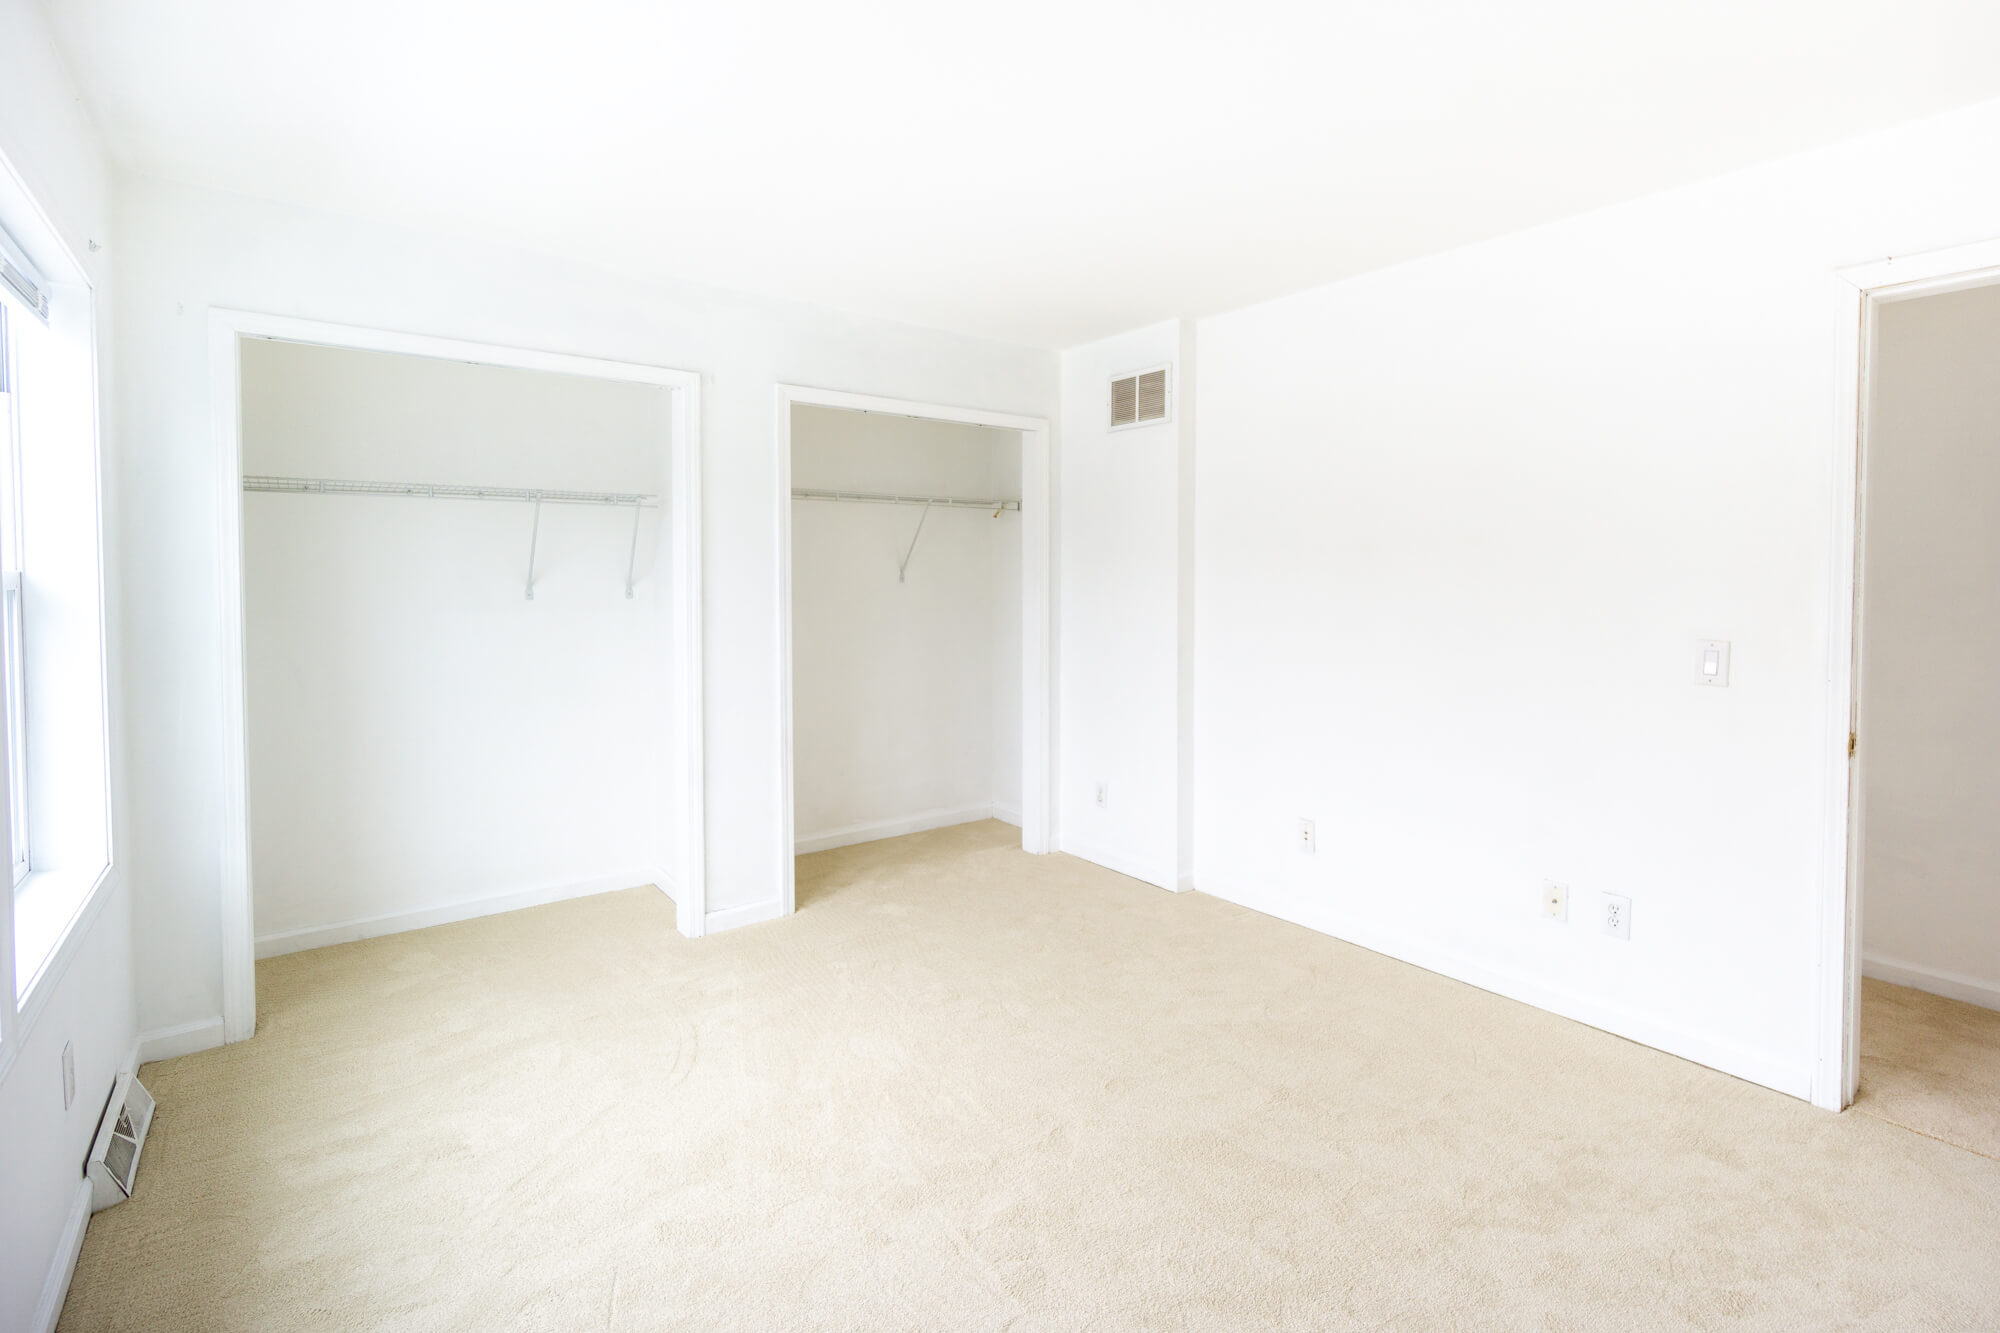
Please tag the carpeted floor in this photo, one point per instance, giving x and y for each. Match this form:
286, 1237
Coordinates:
969, 1089
1931, 1064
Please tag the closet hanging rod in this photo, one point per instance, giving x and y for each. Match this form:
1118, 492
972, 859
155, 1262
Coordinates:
425, 490
887, 498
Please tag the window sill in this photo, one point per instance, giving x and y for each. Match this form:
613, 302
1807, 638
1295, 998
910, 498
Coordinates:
49, 910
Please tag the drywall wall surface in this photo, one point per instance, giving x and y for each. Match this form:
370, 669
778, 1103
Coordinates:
1461, 523
1930, 716
183, 251
1120, 616
897, 684
53, 155
421, 734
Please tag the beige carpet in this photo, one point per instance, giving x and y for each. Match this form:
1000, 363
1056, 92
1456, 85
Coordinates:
969, 1089
1931, 1064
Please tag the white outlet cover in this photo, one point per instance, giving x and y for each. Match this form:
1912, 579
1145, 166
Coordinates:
1308, 839
1555, 900
1615, 913
1711, 662
1103, 793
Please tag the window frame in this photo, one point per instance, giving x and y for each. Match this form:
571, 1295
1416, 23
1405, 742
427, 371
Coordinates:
13, 616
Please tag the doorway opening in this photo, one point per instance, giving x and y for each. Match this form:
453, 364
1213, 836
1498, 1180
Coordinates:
460, 587
1928, 718
914, 623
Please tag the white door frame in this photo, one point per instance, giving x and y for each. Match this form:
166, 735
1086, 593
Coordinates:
1858, 293
226, 330
1038, 711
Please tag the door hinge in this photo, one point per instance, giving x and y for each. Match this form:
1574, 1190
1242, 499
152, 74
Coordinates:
1850, 744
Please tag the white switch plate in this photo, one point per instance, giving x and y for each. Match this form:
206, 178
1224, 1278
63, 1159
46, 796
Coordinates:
1555, 900
1616, 913
69, 1073
1308, 842
1711, 662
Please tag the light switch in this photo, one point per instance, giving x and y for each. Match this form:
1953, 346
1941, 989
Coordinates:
1712, 661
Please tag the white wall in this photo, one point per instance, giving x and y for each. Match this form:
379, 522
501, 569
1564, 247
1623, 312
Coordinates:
421, 734
1124, 614
901, 715
86, 998
1460, 522
1930, 705
183, 251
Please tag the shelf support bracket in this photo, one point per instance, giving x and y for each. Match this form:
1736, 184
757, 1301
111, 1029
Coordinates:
534, 533
904, 567
632, 556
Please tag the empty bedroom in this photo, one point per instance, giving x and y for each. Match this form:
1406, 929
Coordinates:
1084, 666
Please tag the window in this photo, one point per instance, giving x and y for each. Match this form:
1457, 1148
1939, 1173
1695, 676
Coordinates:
12, 617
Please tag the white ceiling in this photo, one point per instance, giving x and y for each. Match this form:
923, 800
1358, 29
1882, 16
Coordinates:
1044, 171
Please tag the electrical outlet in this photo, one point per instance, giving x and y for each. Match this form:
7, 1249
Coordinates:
69, 1073
1617, 915
1308, 842
1555, 900
1103, 793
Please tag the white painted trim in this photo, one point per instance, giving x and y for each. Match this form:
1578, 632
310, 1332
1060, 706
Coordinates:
729, 918
1007, 814
687, 821
1760, 1067
923, 821
62, 1267
465, 909
204, 1034
81, 923
1187, 882
1038, 648
1856, 293
1132, 867
1934, 981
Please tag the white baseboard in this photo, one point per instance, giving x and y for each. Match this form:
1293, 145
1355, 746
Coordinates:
921, 822
345, 932
1187, 882
729, 918
1951, 985
55, 1286
1760, 1067
204, 1034
1007, 814
1129, 866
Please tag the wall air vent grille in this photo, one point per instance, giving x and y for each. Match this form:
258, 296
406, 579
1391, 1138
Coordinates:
1139, 399
114, 1156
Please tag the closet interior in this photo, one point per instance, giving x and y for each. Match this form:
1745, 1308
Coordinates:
906, 625
458, 634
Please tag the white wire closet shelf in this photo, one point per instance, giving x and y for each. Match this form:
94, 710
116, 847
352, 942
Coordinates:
434, 490
894, 498
929, 502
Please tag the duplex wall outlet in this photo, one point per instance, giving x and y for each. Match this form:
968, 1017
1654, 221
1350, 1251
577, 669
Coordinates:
1616, 915
1307, 839
1555, 901
1103, 793
69, 1073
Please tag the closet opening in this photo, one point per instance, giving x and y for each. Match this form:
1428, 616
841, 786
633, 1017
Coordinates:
461, 636
915, 611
